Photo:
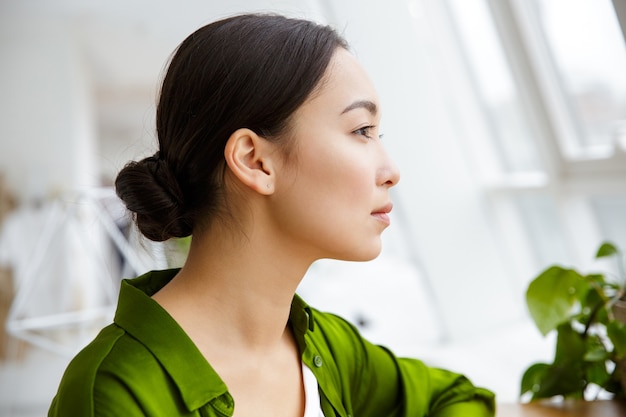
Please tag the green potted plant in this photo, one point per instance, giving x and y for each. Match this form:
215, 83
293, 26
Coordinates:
588, 314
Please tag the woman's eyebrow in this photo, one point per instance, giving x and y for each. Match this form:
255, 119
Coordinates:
366, 104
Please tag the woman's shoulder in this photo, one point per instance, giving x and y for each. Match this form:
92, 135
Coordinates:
99, 368
332, 332
109, 351
332, 322
118, 374
317, 323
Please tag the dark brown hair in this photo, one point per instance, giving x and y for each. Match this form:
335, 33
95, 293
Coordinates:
249, 71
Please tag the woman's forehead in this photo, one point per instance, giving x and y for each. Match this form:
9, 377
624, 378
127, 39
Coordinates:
344, 84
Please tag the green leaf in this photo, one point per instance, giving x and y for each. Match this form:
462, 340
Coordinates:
598, 354
566, 380
593, 307
570, 346
593, 298
616, 331
532, 378
607, 249
596, 279
602, 317
598, 374
595, 348
614, 385
566, 376
552, 295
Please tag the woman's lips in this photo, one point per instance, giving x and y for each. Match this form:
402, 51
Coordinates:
383, 217
382, 213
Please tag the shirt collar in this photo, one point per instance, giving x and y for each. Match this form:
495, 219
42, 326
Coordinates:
301, 321
145, 320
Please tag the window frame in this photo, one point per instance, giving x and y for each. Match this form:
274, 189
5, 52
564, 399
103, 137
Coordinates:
570, 178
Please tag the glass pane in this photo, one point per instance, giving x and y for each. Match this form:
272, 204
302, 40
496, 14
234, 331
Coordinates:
495, 86
611, 214
589, 52
541, 219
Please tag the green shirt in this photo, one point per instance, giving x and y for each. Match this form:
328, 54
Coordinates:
144, 364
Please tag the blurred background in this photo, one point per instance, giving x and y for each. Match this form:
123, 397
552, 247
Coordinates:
507, 119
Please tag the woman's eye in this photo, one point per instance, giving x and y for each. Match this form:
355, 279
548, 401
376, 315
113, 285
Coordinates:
366, 131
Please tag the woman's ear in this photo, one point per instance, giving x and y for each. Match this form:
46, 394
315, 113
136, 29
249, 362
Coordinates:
250, 158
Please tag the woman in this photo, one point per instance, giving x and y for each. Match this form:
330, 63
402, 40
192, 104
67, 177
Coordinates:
270, 155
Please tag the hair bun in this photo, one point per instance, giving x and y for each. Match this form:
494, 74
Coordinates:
151, 191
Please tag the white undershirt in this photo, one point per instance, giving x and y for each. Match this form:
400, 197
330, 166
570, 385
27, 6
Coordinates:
312, 406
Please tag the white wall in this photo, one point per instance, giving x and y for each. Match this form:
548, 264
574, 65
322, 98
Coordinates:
47, 130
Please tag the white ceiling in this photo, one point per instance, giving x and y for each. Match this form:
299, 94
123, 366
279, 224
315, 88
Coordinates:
127, 42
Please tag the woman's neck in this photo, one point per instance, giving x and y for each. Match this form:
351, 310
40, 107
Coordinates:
241, 290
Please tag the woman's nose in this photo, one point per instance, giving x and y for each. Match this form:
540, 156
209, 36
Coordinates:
389, 174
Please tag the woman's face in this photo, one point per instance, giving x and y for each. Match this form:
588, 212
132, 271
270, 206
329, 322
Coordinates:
332, 195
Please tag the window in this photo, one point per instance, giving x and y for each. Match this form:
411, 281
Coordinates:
550, 77
495, 86
586, 43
